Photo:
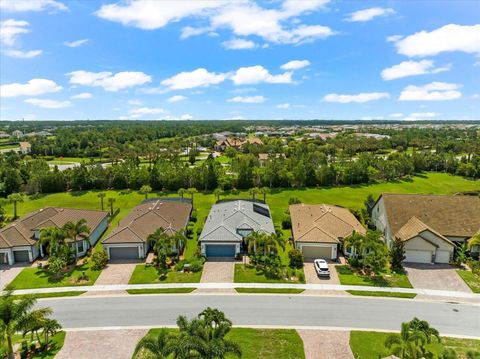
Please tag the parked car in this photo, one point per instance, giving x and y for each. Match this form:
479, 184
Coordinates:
321, 267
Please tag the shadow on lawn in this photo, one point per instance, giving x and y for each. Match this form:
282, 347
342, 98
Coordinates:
43, 273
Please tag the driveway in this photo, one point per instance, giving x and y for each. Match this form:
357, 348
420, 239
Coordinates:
101, 344
435, 276
326, 344
9, 272
311, 276
116, 273
218, 271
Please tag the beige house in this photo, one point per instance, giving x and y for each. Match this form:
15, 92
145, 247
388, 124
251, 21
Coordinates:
430, 225
25, 148
319, 230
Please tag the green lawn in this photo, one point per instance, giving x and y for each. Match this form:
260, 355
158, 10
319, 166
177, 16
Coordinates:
57, 344
472, 280
160, 291
368, 345
270, 290
39, 278
248, 274
148, 275
347, 277
262, 343
53, 295
382, 294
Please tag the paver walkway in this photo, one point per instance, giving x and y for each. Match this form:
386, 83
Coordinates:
116, 273
326, 344
101, 344
8, 273
435, 276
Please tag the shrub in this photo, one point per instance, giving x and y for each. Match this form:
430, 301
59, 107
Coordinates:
301, 277
294, 200
193, 216
56, 265
189, 231
296, 258
99, 260
286, 222
199, 231
196, 265
179, 266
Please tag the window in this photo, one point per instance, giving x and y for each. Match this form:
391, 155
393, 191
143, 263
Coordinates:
80, 246
244, 232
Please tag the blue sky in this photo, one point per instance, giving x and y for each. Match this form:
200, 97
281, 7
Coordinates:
316, 59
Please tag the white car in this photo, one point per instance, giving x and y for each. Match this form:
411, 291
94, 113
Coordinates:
321, 267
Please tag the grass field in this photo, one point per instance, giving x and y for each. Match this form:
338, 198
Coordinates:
347, 196
270, 290
367, 293
53, 295
160, 291
347, 277
248, 274
39, 278
368, 345
262, 343
472, 280
149, 275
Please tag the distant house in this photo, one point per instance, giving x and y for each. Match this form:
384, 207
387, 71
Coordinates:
229, 222
129, 240
18, 240
319, 230
430, 225
25, 148
3, 134
17, 134
264, 157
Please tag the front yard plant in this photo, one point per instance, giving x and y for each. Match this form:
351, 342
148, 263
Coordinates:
352, 276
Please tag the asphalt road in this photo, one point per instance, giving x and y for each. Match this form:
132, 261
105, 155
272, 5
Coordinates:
268, 310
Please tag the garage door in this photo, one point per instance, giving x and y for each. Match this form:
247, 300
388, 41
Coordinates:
21, 256
418, 256
442, 257
123, 252
312, 252
3, 258
217, 250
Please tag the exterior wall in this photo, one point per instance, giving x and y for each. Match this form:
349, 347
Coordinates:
97, 233
86, 245
32, 252
442, 245
203, 246
457, 239
142, 248
9, 253
333, 247
380, 220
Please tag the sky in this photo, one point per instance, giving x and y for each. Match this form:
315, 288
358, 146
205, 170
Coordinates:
290, 59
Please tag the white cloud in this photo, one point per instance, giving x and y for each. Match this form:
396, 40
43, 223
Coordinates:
33, 87
139, 112
196, 78
82, 96
394, 38
369, 14
359, 98
425, 114
10, 30
76, 43
243, 18
186, 117
295, 64
176, 98
435, 91
283, 105
247, 99
135, 102
412, 68
18, 54
448, 38
258, 74
239, 44
31, 5
396, 115
107, 80
44, 103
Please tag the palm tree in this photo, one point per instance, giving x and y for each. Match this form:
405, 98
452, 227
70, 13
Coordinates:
354, 241
159, 347
404, 346
253, 191
265, 191
101, 195
54, 239
16, 316
75, 229
181, 192
111, 201
145, 190
16, 198
254, 241
217, 193
50, 328
191, 191
423, 332
162, 245
474, 241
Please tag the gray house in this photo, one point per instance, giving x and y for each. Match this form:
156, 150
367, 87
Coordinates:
18, 240
229, 222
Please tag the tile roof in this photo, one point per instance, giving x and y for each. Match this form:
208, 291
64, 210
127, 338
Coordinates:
172, 215
413, 228
456, 216
322, 223
227, 216
20, 232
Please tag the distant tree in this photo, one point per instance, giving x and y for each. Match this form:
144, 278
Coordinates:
217, 193
111, 201
145, 190
191, 191
253, 191
181, 192
397, 254
101, 195
265, 191
16, 198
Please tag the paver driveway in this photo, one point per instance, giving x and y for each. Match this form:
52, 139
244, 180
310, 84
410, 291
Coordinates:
218, 271
101, 344
311, 276
326, 344
8, 273
116, 273
435, 276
